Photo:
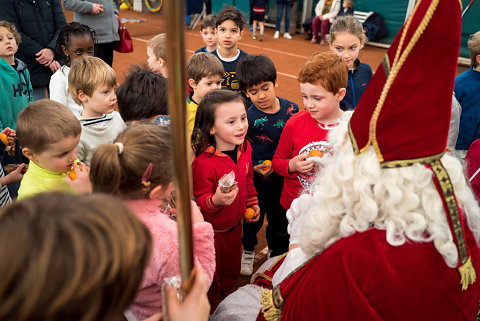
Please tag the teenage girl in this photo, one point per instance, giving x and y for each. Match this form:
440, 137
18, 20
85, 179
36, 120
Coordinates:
74, 41
220, 147
137, 169
346, 38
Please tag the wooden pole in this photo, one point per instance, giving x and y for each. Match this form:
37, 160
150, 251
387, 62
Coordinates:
175, 13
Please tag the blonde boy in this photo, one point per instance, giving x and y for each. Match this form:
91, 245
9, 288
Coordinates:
157, 54
205, 74
92, 83
48, 133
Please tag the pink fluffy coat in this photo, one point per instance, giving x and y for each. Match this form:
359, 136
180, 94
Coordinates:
164, 261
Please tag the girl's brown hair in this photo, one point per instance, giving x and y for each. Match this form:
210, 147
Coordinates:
123, 167
205, 118
70, 257
348, 24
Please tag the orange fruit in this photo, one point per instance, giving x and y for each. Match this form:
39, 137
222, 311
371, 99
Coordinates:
267, 162
249, 214
315, 153
72, 174
4, 139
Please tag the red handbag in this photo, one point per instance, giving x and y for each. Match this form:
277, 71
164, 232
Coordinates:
125, 44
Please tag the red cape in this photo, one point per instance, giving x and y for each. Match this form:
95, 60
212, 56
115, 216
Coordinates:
362, 277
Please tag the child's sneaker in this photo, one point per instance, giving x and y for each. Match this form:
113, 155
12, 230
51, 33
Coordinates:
247, 263
260, 38
254, 37
276, 35
286, 35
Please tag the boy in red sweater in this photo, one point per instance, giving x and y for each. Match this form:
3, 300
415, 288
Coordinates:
323, 79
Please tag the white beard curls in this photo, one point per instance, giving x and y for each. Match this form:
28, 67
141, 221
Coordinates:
353, 194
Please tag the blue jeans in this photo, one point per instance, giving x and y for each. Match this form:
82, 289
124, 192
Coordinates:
288, 8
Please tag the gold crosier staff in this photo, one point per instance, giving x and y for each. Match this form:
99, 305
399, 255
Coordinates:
174, 13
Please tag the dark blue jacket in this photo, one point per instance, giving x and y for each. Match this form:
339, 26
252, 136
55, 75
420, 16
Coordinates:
38, 22
358, 80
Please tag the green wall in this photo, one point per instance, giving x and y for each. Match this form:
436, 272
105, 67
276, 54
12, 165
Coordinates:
393, 11
470, 24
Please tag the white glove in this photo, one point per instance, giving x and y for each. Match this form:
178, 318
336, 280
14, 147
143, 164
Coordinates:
294, 216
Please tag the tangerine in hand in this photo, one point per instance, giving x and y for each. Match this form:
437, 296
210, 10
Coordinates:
4, 139
315, 153
249, 214
268, 163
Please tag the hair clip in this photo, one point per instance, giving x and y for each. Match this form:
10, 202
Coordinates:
120, 148
146, 175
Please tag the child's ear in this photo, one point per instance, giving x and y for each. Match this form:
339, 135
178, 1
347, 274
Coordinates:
340, 94
246, 93
28, 153
82, 96
64, 49
159, 192
212, 131
362, 43
161, 62
241, 35
477, 58
275, 84
192, 83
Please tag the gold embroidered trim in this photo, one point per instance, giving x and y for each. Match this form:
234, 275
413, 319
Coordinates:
352, 140
467, 272
386, 65
410, 162
397, 65
271, 304
257, 275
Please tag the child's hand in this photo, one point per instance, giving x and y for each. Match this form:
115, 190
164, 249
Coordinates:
14, 177
197, 216
299, 164
196, 305
220, 198
82, 184
257, 214
263, 169
10, 135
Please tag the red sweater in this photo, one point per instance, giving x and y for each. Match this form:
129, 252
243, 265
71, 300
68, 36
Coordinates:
300, 132
364, 278
207, 169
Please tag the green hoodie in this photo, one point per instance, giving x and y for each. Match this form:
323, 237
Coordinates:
15, 92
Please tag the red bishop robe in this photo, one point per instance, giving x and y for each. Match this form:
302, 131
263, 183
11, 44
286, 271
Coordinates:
362, 277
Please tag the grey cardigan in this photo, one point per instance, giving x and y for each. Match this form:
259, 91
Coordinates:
105, 24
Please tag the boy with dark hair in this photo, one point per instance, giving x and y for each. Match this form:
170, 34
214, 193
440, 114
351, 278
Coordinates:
143, 95
207, 31
204, 73
468, 95
267, 116
229, 31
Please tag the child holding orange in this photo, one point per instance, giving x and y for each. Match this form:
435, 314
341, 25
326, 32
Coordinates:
267, 116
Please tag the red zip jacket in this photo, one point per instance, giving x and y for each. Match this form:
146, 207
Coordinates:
207, 169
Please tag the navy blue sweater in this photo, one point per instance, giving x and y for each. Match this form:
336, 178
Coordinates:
358, 80
467, 92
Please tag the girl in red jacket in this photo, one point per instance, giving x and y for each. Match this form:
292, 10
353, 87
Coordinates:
218, 140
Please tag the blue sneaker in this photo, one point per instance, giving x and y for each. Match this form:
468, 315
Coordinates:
251, 28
